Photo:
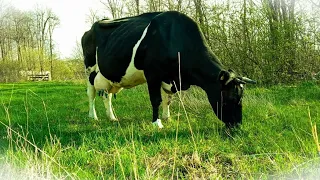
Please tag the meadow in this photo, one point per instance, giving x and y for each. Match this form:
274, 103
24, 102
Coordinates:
45, 133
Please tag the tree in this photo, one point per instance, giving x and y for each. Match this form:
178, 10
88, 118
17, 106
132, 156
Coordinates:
282, 26
137, 3
53, 23
315, 3
26, 39
20, 30
132, 7
115, 7
93, 16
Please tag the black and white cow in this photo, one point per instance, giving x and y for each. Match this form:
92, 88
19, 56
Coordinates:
126, 52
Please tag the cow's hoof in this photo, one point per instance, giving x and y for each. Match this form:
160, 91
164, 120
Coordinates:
92, 116
158, 123
114, 119
167, 118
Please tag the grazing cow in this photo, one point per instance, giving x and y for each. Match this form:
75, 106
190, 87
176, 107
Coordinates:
126, 52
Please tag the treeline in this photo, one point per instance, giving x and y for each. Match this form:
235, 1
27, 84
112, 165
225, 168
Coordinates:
274, 41
26, 44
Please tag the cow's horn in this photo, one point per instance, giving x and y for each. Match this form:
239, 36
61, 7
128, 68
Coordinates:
247, 80
232, 76
239, 80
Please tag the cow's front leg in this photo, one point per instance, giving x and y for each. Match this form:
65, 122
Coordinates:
107, 97
166, 101
155, 98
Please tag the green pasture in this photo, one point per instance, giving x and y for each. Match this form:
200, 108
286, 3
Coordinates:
44, 127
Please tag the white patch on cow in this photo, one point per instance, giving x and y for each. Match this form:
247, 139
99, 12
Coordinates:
97, 66
166, 100
90, 69
91, 92
158, 123
166, 87
101, 83
107, 21
133, 76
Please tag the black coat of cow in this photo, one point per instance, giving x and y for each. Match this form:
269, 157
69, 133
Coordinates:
152, 43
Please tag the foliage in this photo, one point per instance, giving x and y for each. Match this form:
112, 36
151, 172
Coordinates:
275, 140
26, 39
68, 69
270, 40
63, 70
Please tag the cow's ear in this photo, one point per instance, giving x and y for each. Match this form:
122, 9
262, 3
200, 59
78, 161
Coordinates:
223, 76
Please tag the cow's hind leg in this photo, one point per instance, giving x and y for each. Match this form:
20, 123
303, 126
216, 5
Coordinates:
91, 92
104, 85
107, 98
166, 101
89, 53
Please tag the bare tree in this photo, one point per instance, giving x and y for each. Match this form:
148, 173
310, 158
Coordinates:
315, 3
43, 16
200, 16
77, 53
20, 30
175, 5
93, 16
115, 7
155, 5
54, 21
137, 6
132, 7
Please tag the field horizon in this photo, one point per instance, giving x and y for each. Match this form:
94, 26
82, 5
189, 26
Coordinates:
45, 130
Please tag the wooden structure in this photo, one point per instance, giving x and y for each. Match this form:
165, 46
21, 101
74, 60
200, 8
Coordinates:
36, 76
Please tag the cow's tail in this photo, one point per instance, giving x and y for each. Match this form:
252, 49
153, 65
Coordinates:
89, 53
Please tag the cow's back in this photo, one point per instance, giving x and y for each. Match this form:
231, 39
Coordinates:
175, 32
99, 32
171, 33
114, 54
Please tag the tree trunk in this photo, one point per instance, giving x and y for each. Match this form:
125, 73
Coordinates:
201, 18
137, 7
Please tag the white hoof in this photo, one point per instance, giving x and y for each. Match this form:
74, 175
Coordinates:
165, 117
111, 116
93, 116
114, 119
158, 123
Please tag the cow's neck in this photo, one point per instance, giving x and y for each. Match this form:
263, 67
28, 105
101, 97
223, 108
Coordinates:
208, 72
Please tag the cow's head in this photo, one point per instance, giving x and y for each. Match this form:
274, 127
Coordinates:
226, 101
231, 97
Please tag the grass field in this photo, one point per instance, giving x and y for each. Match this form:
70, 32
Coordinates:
45, 133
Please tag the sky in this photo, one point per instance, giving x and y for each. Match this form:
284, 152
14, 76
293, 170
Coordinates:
72, 14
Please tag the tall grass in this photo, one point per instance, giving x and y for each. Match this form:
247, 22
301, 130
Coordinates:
45, 130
